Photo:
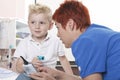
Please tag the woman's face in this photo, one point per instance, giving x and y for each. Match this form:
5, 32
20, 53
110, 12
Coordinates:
64, 34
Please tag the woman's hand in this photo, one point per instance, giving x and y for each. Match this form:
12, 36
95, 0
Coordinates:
47, 73
50, 71
42, 76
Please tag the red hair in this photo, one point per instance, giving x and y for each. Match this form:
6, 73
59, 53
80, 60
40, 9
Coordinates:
72, 10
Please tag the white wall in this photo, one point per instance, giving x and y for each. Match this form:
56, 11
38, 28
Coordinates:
12, 8
7, 9
105, 12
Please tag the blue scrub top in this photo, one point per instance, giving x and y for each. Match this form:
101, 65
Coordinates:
98, 50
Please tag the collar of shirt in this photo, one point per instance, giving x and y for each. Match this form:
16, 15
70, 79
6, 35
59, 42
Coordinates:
31, 39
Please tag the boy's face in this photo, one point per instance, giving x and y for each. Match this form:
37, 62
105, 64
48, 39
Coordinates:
39, 25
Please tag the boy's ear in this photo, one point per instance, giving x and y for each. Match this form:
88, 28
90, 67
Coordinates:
51, 25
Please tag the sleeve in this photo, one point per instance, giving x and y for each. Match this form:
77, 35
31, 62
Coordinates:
89, 56
60, 49
21, 49
113, 61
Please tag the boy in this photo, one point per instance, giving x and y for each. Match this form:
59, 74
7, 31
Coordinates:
40, 43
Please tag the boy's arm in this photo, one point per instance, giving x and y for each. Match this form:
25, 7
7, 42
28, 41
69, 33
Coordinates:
65, 64
19, 65
21, 50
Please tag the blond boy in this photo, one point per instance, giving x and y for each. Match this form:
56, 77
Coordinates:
40, 42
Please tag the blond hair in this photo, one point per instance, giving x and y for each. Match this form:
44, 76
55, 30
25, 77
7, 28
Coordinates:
39, 8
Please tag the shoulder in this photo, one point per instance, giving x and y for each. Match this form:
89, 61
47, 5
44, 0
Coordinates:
24, 41
54, 38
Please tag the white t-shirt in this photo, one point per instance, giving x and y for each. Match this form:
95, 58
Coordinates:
51, 47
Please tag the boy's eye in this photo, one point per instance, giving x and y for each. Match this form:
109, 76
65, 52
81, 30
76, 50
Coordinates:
42, 22
32, 22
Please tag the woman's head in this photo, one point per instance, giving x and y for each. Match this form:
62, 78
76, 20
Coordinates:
72, 10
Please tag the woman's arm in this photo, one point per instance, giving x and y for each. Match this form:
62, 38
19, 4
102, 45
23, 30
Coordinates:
95, 76
65, 64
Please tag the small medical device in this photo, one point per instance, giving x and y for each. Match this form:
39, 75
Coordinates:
40, 57
28, 67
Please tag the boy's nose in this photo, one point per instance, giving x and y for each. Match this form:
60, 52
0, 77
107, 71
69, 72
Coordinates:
37, 26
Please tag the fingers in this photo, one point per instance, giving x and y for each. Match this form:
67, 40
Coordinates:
52, 72
45, 69
41, 76
36, 76
36, 62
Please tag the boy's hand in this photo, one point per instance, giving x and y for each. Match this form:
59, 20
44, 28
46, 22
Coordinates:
37, 63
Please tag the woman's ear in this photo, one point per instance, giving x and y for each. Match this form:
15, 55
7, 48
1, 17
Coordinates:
70, 23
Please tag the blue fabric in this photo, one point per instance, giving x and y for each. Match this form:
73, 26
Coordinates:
98, 50
23, 76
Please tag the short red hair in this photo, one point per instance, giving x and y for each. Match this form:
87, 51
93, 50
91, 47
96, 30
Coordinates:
72, 10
